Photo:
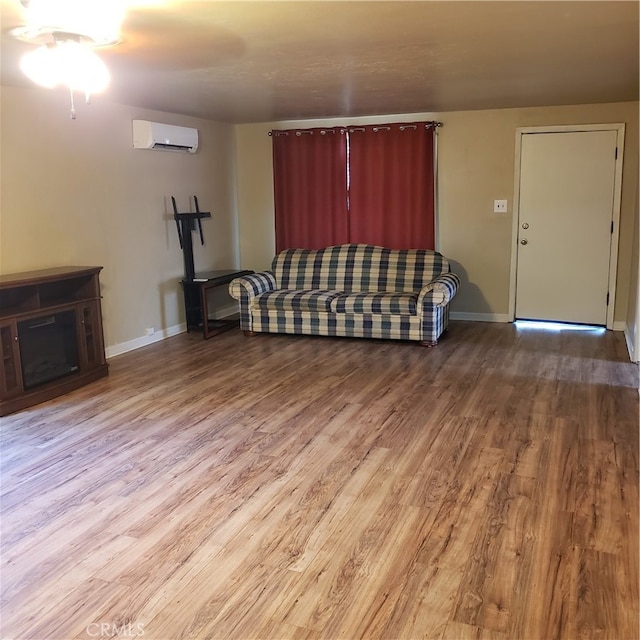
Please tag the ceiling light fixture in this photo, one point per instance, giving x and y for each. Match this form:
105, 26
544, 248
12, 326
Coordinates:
67, 31
66, 62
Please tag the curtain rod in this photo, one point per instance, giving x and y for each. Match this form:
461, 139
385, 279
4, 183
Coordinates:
376, 127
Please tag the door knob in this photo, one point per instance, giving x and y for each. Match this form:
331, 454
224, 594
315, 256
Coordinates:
525, 225
524, 241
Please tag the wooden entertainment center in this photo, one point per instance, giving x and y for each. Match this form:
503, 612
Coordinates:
51, 337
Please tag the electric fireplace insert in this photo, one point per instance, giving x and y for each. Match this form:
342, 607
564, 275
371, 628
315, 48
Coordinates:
48, 348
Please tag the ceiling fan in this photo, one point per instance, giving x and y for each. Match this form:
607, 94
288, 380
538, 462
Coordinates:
67, 33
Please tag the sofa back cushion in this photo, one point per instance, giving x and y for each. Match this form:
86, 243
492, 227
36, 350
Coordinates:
358, 267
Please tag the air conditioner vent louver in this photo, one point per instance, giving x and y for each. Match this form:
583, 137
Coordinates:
165, 137
171, 147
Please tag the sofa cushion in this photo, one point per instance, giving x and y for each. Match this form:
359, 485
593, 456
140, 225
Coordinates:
385, 303
295, 300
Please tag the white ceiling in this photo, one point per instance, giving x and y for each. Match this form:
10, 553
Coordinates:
264, 61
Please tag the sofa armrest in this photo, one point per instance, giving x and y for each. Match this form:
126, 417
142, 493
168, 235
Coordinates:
245, 289
439, 292
250, 286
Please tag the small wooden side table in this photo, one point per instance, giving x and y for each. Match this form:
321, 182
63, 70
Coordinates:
196, 305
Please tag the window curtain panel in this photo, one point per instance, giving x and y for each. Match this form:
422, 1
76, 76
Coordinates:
310, 188
391, 187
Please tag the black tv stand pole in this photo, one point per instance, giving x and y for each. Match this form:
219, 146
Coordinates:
186, 223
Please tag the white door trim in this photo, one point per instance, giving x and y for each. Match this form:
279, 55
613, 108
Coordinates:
617, 193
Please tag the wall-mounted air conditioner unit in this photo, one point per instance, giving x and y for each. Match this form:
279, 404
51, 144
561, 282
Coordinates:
168, 137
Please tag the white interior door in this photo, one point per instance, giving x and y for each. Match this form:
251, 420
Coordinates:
565, 225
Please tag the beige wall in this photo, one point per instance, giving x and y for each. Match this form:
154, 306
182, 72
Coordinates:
75, 192
632, 327
476, 165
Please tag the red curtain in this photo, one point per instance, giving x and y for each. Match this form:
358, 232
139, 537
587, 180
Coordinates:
391, 186
310, 188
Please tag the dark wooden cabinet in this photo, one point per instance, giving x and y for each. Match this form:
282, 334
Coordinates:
51, 337
11, 371
90, 335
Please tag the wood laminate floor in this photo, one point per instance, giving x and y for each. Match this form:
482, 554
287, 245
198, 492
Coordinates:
301, 488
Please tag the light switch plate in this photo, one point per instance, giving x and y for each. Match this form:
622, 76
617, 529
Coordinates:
499, 206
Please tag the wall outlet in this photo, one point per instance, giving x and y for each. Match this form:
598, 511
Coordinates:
149, 331
499, 206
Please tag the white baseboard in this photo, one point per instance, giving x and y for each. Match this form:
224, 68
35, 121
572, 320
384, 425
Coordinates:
630, 346
619, 325
143, 341
479, 317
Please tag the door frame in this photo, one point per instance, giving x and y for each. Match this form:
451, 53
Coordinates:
617, 193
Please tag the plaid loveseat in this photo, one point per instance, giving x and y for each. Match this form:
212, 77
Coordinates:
352, 290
